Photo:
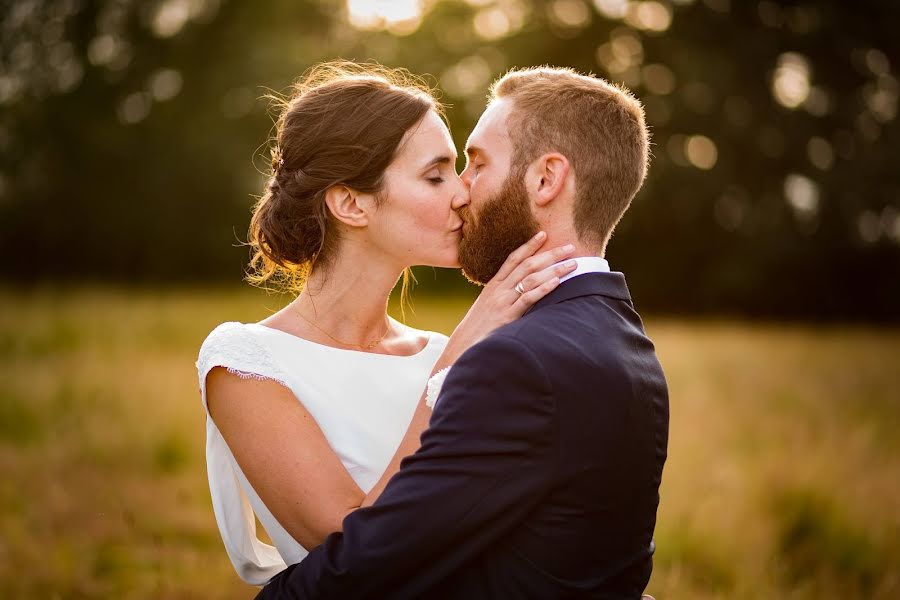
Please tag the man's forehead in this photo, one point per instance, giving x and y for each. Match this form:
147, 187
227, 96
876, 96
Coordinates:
491, 127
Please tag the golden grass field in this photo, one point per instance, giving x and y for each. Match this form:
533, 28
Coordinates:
783, 479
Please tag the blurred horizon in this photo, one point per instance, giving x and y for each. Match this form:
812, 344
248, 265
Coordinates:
133, 135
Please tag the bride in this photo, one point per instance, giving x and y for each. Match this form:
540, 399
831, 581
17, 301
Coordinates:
311, 410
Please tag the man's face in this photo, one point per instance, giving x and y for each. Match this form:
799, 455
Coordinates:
498, 218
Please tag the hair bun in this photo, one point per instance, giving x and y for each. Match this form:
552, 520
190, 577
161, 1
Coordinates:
291, 227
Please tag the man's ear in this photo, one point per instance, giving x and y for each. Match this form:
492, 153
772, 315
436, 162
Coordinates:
348, 206
548, 177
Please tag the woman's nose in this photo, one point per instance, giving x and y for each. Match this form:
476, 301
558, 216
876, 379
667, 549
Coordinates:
461, 198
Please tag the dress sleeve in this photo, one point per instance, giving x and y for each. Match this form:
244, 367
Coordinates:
487, 459
233, 346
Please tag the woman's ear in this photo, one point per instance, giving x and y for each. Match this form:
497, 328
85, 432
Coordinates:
347, 205
548, 177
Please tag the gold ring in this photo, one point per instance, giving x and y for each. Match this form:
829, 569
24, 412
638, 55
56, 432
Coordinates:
519, 288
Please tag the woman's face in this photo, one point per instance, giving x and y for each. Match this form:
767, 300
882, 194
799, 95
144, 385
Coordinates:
417, 222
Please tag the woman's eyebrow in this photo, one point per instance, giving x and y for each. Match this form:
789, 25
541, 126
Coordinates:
439, 160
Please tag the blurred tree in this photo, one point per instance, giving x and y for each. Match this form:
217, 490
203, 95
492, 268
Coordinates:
129, 131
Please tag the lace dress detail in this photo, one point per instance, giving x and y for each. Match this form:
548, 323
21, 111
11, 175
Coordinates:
230, 345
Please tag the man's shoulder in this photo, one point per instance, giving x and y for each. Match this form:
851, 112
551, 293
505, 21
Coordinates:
504, 344
544, 326
566, 330
523, 344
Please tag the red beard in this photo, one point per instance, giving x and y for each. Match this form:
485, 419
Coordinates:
503, 224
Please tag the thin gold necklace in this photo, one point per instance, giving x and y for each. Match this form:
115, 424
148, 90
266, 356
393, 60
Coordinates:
368, 346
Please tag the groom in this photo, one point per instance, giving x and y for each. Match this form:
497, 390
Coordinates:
539, 474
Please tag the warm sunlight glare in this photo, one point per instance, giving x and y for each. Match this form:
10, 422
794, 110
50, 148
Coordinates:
398, 16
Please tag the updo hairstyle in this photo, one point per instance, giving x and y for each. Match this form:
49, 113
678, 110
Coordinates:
341, 125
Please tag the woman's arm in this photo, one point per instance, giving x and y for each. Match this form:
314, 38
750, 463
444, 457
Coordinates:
283, 454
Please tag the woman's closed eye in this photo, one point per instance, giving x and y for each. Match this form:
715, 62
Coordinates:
435, 177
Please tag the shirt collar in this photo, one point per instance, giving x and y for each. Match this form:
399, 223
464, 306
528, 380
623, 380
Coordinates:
586, 264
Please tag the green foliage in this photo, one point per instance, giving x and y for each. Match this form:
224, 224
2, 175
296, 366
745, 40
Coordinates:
106, 176
817, 542
172, 454
697, 555
54, 337
20, 423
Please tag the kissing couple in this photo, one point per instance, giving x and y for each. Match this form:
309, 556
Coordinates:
519, 458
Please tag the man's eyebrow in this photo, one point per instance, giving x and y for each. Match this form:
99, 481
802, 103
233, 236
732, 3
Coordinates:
472, 150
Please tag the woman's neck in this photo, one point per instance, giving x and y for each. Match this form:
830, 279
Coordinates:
348, 300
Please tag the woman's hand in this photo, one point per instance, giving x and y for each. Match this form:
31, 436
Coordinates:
501, 303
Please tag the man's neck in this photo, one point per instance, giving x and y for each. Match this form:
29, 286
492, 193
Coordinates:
561, 238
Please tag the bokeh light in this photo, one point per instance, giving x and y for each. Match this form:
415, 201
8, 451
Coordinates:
569, 15
820, 152
622, 55
791, 82
165, 84
818, 102
401, 17
658, 79
701, 152
649, 15
494, 21
134, 108
612, 9
170, 17
802, 195
467, 78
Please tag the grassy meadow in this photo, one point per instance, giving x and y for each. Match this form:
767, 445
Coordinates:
783, 479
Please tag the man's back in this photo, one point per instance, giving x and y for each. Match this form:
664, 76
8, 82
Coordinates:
591, 534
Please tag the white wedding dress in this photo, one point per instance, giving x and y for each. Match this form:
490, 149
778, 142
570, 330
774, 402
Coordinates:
362, 402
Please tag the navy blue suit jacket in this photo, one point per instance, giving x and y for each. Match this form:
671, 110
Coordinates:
538, 476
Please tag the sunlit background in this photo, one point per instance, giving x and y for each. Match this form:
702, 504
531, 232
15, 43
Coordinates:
764, 250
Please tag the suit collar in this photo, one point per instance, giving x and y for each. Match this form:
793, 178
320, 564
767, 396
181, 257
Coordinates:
590, 284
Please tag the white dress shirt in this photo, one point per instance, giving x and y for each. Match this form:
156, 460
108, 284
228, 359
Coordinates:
586, 264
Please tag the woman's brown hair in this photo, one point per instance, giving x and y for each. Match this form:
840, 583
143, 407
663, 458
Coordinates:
342, 124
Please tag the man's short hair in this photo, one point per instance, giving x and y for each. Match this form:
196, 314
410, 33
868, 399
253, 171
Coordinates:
597, 125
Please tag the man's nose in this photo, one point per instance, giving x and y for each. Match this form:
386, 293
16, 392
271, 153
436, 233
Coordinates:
466, 177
